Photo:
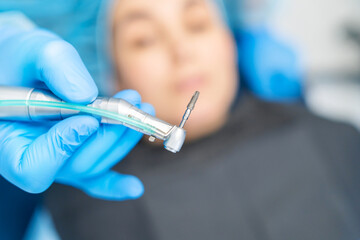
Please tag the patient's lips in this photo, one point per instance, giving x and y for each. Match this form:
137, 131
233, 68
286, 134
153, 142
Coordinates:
190, 84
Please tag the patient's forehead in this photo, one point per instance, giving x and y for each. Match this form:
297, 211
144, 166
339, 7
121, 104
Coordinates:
162, 10
158, 4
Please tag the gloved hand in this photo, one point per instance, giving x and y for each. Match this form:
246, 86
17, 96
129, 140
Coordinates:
75, 151
89, 168
271, 69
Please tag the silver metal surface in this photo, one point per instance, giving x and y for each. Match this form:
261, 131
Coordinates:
175, 140
172, 136
152, 139
189, 108
14, 113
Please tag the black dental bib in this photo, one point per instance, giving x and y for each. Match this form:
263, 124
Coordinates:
273, 172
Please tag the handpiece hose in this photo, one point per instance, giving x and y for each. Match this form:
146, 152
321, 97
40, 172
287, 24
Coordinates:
28, 104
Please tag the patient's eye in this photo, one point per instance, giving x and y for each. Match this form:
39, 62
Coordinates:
140, 37
197, 17
138, 31
143, 38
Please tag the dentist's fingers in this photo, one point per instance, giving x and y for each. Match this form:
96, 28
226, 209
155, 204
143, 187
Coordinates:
107, 139
111, 186
121, 147
33, 164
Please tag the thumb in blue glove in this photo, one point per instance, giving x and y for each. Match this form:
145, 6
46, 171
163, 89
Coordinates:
34, 57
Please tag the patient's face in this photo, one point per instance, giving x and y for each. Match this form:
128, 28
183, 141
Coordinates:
166, 50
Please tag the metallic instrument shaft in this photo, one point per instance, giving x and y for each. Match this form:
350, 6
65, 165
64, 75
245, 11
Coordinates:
172, 136
189, 108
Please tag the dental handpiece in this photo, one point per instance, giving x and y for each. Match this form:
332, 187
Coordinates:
29, 104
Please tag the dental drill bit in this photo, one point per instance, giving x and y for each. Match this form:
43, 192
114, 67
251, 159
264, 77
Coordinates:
189, 108
187, 113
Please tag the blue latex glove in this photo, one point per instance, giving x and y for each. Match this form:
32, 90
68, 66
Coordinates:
89, 168
271, 69
76, 151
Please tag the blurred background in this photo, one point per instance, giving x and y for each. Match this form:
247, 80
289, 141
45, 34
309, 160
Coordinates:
311, 48
325, 36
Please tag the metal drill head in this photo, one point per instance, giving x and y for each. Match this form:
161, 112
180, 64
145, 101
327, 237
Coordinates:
193, 100
189, 108
175, 140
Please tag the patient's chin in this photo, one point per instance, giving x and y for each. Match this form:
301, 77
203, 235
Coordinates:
200, 128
